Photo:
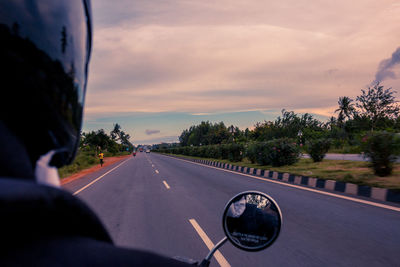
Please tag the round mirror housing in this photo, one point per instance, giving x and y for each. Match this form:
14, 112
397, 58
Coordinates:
252, 220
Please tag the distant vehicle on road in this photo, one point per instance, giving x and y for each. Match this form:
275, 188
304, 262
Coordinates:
147, 150
140, 149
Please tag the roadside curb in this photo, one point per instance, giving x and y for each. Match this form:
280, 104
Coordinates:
376, 193
91, 169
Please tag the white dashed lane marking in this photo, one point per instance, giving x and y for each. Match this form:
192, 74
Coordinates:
86, 186
166, 185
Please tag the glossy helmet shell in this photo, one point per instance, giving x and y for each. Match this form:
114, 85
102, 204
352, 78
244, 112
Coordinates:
45, 51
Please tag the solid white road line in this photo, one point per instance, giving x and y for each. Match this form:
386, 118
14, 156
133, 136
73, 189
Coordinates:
89, 184
300, 187
218, 256
157, 171
166, 185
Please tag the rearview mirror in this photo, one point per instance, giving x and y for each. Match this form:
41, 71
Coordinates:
252, 220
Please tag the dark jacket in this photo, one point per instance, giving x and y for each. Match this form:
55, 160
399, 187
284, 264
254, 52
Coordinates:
46, 226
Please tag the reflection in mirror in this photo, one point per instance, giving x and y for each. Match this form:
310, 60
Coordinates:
252, 221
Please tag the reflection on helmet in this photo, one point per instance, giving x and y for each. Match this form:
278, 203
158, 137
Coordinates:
45, 53
237, 208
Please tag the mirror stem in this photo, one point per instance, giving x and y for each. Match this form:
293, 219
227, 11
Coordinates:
206, 261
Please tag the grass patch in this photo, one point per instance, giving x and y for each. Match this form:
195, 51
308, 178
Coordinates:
84, 160
356, 172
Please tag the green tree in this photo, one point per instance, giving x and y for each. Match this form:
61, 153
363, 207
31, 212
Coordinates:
378, 103
116, 132
97, 139
382, 148
346, 108
118, 135
205, 133
184, 138
289, 125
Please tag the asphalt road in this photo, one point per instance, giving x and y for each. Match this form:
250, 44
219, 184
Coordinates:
140, 211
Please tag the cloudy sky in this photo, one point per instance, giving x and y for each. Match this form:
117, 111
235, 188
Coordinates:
160, 66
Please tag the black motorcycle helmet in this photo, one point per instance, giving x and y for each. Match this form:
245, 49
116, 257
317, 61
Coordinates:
44, 54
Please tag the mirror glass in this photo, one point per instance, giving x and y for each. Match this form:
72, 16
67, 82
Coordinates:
252, 220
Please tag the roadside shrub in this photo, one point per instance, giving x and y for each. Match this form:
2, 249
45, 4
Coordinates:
213, 151
280, 152
318, 148
85, 148
262, 151
179, 150
91, 160
193, 151
348, 178
338, 143
382, 149
277, 152
113, 149
84, 159
251, 152
310, 134
224, 151
202, 151
186, 150
235, 152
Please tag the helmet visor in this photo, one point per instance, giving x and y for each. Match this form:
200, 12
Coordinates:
46, 48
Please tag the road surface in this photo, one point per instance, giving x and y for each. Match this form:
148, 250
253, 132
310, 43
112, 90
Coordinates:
146, 202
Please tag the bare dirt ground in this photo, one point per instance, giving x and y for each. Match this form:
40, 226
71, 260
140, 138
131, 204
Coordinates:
107, 161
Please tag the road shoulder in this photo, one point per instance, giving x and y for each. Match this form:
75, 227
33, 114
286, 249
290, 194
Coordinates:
107, 162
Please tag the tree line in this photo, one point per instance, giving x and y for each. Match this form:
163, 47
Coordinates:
374, 109
368, 124
116, 141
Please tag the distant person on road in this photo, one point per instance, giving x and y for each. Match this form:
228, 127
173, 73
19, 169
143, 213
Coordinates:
45, 52
101, 157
